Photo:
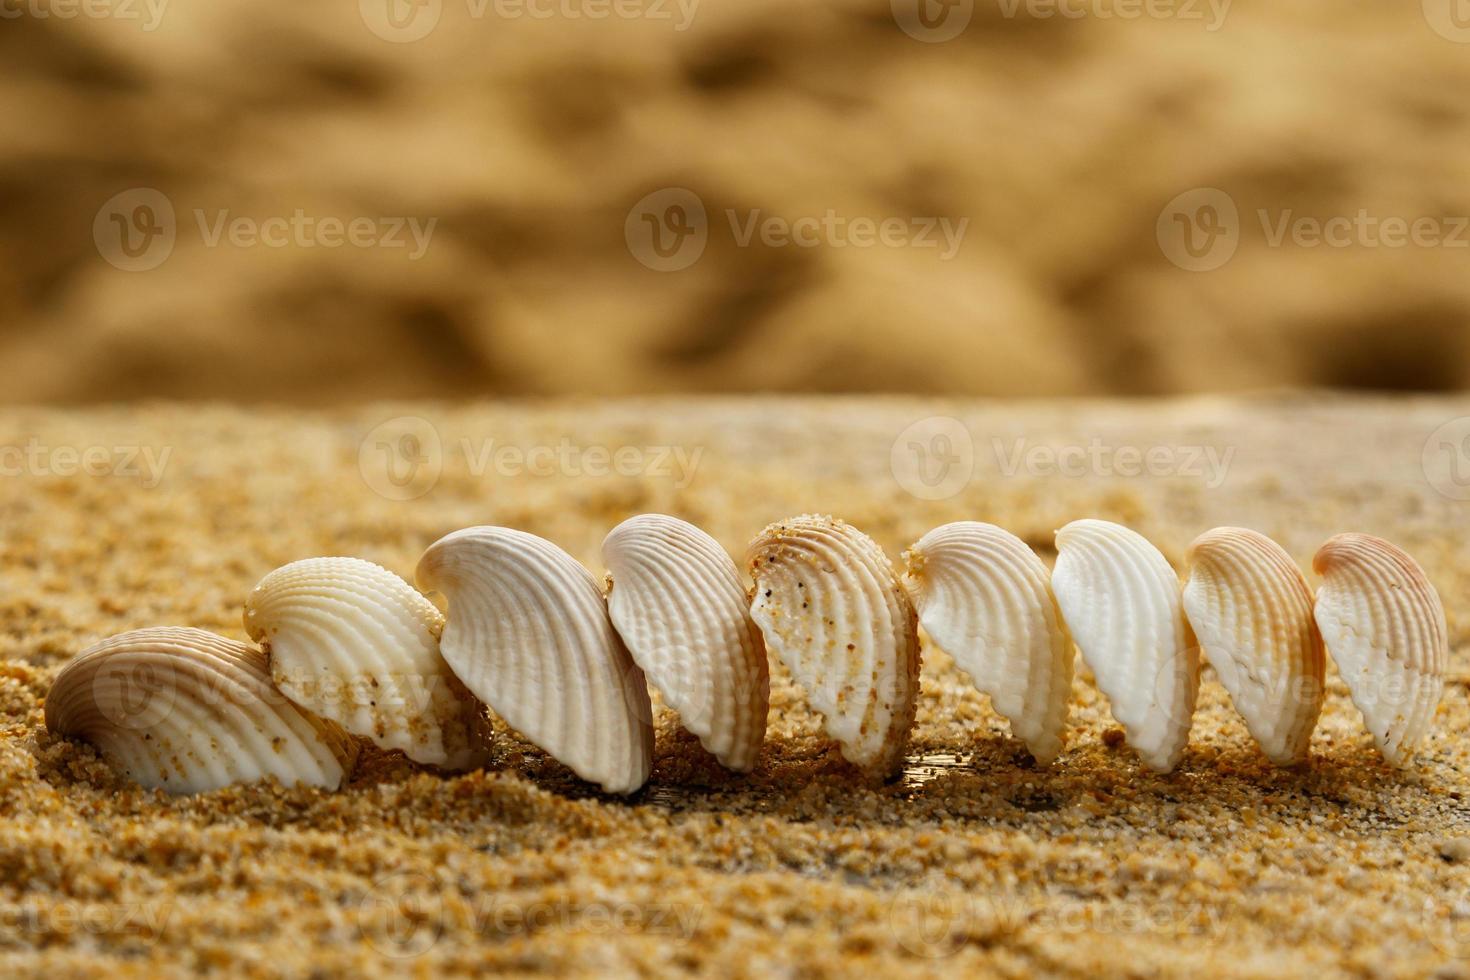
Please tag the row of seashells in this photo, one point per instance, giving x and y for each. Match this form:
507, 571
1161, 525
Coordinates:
346, 648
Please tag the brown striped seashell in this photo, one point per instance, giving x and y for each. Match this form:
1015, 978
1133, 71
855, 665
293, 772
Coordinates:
985, 598
528, 633
1120, 598
1251, 610
1384, 625
187, 711
351, 642
829, 605
677, 601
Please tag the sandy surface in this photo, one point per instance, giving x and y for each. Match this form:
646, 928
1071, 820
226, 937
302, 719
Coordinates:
974, 861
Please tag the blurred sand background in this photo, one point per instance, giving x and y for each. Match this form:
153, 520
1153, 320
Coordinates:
528, 140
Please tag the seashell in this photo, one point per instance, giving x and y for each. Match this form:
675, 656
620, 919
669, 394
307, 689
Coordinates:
985, 598
829, 605
1384, 625
1120, 598
528, 633
351, 642
678, 603
187, 711
1251, 609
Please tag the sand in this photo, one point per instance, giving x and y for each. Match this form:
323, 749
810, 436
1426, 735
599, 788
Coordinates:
1055, 132
975, 861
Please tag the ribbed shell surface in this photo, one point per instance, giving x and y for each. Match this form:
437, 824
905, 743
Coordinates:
351, 642
678, 603
985, 598
529, 634
187, 711
1120, 599
1384, 625
829, 605
1251, 609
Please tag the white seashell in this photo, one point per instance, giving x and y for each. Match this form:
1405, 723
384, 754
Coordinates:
1120, 598
829, 605
353, 643
528, 633
678, 603
187, 711
985, 598
1251, 609
1385, 628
